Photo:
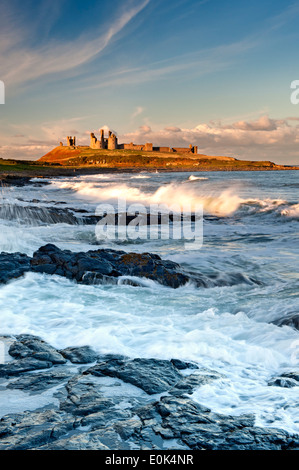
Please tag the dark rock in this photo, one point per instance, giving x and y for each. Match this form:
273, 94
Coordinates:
12, 180
192, 382
103, 439
12, 266
32, 215
286, 380
93, 265
32, 429
81, 355
51, 260
291, 375
151, 375
21, 366
108, 415
181, 365
28, 346
291, 320
38, 383
282, 382
200, 429
83, 398
93, 416
109, 267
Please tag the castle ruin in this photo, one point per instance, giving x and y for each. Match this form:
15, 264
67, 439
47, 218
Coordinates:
111, 143
71, 141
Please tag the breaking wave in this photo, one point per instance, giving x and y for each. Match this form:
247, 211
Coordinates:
291, 212
196, 178
223, 204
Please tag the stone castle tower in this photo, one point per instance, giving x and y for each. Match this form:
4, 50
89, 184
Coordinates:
71, 141
110, 143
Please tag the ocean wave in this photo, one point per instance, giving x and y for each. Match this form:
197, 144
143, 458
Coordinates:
196, 178
291, 211
178, 197
182, 197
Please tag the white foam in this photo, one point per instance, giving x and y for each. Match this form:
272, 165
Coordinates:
148, 322
197, 178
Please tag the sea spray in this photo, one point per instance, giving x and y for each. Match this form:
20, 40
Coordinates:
223, 204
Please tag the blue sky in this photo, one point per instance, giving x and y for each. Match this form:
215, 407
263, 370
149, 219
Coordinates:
213, 73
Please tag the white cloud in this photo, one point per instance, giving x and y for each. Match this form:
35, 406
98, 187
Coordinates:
261, 139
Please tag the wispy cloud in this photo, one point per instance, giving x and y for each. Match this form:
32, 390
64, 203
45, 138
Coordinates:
21, 63
194, 64
139, 110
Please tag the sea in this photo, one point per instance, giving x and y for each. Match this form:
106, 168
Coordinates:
250, 227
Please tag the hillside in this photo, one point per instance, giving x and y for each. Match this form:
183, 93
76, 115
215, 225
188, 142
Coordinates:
125, 159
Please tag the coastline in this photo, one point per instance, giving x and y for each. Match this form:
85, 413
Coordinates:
74, 397
23, 176
78, 161
79, 398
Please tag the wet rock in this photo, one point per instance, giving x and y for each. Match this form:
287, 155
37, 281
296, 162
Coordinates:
192, 382
291, 375
93, 265
108, 415
80, 355
104, 265
21, 366
12, 266
51, 260
286, 380
38, 383
34, 215
151, 375
181, 365
84, 398
291, 320
110, 267
95, 412
201, 429
12, 180
104, 439
28, 346
29, 430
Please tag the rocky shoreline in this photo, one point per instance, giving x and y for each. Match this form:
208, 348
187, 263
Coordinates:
111, 402
111, 266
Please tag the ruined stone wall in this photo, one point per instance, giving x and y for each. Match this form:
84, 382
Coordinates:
148, 147
131, 146
183, 149
162, 149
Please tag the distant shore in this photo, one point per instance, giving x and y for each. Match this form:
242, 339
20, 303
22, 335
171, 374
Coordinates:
17, 172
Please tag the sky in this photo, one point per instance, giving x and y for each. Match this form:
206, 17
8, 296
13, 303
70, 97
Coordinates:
211, 73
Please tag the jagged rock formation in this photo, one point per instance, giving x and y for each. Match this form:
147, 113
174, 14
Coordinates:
118, 403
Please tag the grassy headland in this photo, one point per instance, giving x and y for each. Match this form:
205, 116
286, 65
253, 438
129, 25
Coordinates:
65, 161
